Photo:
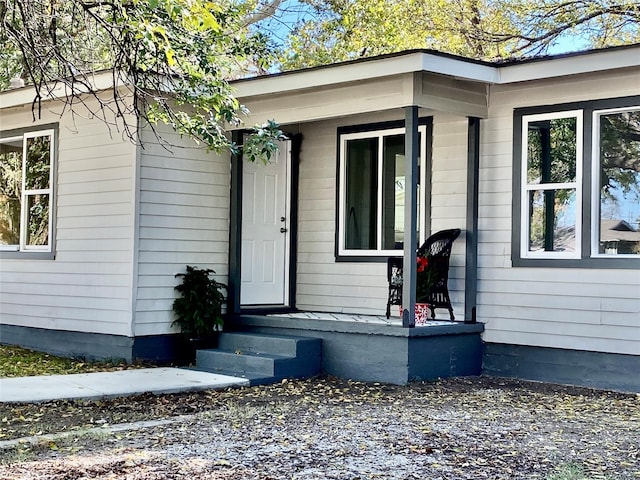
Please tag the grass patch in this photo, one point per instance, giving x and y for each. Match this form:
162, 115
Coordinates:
20, 362
71, 443
573, 472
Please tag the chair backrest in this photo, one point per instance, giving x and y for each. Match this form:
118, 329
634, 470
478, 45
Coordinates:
437, 249
439, 244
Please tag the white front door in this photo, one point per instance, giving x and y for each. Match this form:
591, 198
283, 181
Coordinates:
265, 230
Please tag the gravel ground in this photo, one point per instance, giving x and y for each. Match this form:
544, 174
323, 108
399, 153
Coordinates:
470, 428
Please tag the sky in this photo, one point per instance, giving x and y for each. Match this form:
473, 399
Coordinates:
569, 44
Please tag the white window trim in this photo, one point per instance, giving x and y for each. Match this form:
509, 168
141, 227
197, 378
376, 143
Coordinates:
595, 182
526, 187
13, 248
22, 247
344, 138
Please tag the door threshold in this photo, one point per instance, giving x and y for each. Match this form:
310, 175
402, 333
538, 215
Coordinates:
264, 309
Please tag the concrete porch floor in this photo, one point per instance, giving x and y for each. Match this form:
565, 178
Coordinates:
395, 321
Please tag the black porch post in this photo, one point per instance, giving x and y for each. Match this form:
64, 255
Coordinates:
410, 216
235, 230
471, 257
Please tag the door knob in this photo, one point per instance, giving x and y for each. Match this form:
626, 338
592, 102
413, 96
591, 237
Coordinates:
283, 230
282, 219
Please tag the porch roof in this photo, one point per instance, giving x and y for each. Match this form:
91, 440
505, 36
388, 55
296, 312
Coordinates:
430, 80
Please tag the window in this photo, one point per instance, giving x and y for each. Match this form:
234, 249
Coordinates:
577, 168
617, 182
372, 191
551, 177
26, 173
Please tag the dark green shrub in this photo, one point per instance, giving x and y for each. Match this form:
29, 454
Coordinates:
198, 310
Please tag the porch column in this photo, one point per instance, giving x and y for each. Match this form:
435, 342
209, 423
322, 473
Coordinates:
235, 230
471, 259
411, 150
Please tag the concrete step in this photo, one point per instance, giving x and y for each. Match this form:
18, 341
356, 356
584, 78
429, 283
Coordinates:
262, 358
259, 363
244, 342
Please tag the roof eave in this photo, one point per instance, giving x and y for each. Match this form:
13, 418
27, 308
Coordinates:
17, 97
377, 67
627, 56
450, 65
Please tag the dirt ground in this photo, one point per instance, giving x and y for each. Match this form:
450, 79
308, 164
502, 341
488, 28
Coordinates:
469, 428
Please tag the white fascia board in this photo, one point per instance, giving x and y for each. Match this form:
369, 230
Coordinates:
461, 69
588, 62
26, 95
365, 70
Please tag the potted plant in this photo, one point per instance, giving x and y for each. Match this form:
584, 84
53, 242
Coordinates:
198, 310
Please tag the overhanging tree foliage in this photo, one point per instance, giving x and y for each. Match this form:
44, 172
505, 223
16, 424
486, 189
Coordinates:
167, 61
483, 29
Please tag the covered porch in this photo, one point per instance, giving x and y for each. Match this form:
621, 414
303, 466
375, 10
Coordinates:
360, 132
417, 95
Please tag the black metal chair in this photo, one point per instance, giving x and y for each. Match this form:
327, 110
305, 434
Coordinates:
437, 250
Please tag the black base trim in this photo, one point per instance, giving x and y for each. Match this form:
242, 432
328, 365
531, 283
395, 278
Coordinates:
609, 371
160, 349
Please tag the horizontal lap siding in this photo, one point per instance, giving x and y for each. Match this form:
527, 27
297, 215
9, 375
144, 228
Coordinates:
87, 288
183, 220
449, 196
584, 309
455, 96
337, 101
323, 284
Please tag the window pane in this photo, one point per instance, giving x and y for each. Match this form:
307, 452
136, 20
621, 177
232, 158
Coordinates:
552, 220
38, 163
361, 180
37, 220
10, 190
393, 190
620, 183
551, 155
393, 194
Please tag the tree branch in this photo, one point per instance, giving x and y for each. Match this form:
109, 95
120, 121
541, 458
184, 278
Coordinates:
266, 10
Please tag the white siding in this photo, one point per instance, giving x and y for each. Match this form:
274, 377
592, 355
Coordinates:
449, 197
340, 100
585, 309
324, 284
183, 219
87, 288
452, 95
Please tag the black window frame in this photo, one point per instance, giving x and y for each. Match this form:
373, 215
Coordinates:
366, 255
586, 260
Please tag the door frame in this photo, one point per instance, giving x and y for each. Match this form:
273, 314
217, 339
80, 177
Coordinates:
235, 232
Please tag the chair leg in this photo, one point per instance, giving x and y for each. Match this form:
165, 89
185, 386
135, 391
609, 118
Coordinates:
388, 310
451, 314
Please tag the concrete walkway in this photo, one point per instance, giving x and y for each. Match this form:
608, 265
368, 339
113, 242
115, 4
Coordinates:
111, 384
